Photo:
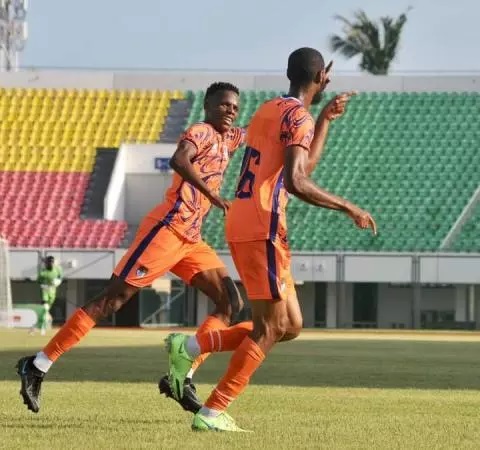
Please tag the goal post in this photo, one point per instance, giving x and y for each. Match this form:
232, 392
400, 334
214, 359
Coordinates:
6, 310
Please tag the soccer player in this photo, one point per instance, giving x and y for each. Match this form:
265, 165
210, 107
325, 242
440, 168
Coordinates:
168, 239
283, 146
49, 277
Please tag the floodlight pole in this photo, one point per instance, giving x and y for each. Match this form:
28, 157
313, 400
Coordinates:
13, 33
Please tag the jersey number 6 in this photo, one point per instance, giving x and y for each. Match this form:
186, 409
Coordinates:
247, 177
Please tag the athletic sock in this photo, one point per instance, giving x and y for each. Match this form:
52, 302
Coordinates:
225, 340
69, 335
245, 361
210, 323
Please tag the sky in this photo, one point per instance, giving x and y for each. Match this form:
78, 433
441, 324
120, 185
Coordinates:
248, 35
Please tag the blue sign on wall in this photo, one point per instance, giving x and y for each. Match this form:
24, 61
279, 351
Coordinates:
162, 164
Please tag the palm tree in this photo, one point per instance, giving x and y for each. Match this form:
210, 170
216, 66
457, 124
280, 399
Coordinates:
363, 37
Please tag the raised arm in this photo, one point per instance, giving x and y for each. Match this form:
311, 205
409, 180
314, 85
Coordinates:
298, 183
333, 110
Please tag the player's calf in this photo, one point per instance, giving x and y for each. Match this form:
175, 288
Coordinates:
32, 369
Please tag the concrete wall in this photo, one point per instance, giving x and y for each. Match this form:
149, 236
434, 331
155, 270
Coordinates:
98, 264
394, 306
454, 270
142, 193
114, 200
395, 303
58, 79
200, 80
136, 184
306, 298
396, 268
345, 305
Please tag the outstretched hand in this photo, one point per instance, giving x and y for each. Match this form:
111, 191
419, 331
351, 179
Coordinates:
336, 106
363, 219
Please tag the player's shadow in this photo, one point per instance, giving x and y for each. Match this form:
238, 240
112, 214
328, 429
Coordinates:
334, 363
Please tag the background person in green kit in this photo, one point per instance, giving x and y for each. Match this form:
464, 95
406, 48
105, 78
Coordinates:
50, 276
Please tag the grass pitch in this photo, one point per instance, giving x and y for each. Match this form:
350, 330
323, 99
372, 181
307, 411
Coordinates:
357, 390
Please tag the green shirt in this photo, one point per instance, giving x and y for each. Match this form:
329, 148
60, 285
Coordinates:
47, 277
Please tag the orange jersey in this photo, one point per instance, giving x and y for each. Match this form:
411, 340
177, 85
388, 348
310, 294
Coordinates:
185, 206
259, 209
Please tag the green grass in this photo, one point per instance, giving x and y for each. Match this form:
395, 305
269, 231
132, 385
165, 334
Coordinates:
356, 390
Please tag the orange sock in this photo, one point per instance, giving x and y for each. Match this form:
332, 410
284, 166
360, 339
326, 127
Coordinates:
245, 361
210, 323
224, 340
70, 334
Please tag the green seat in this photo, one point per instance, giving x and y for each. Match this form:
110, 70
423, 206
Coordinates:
415, 176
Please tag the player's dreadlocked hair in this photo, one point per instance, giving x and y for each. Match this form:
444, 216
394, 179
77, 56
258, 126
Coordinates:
303, 65
220, 86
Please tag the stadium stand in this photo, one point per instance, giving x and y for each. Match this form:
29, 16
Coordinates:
409, 158
48, 146
468, 239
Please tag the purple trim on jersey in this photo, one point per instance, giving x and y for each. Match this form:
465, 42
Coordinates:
274, 216
171, 214
272, 270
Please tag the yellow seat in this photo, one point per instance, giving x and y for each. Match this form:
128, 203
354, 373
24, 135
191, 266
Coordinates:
177, 95
54, 165
153, 136
103, 94
44, 129
31, 166
7, 166
40, 93
18, 92
82, 93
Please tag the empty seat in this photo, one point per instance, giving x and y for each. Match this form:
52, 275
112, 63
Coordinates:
377, 157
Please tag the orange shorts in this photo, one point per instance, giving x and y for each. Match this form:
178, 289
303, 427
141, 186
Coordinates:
157, 250
264, 268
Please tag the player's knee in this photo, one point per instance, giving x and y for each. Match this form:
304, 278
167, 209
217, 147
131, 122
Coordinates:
293, 330
223, 315
278, 330
108, 302
296, 325
104, 307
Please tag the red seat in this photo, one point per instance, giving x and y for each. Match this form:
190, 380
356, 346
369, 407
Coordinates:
43, 209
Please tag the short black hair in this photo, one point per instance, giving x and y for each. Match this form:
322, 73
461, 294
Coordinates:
220, 86
303, 65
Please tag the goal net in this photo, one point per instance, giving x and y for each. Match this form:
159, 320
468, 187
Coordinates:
6, 318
